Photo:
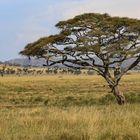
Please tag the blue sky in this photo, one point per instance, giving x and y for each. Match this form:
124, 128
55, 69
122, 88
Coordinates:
25, 21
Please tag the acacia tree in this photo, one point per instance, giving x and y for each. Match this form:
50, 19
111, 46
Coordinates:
93, 41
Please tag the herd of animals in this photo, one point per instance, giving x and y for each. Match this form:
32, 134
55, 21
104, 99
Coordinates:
17, 70
6, 70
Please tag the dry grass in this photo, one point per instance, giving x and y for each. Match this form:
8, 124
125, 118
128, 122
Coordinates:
76, 123
63, 90
67, 108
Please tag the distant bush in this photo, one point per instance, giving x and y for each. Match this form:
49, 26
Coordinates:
133, 97
90, 72
107, 99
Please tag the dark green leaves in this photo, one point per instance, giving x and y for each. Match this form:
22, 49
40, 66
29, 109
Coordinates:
90, 35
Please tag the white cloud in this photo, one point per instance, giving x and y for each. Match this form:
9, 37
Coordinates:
116, 8
42, 23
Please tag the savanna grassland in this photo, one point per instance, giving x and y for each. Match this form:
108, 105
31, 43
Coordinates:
68, 107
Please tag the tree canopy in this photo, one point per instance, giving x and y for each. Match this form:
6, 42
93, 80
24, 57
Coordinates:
92, 41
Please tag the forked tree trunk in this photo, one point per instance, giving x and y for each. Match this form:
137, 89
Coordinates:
119, 95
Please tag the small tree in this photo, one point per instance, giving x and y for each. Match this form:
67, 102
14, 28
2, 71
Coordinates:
93, 41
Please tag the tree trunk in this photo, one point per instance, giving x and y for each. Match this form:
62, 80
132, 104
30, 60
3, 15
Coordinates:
119, 95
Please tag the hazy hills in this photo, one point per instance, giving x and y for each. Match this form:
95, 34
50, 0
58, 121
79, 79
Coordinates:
40, 62
26, 62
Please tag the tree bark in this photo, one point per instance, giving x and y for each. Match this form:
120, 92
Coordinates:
118, 95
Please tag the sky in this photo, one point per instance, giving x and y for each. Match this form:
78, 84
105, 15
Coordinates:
25, 21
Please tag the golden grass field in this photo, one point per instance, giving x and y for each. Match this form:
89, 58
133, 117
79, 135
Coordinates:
68, 107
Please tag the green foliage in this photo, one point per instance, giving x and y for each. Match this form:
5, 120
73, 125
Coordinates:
98, 25
36, 48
